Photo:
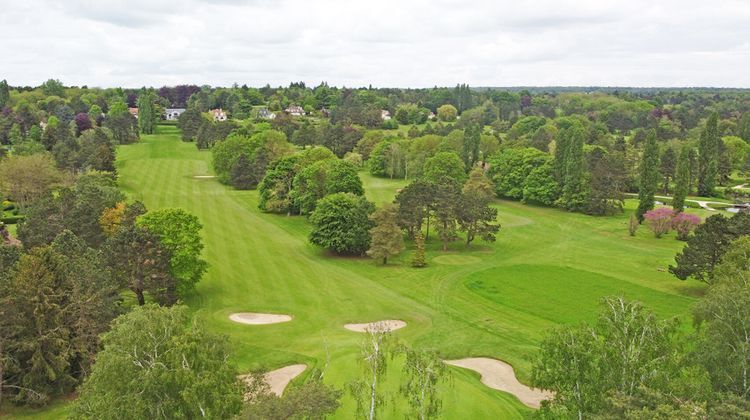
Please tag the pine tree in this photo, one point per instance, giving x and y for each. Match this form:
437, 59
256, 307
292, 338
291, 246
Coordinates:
649, 176
575, 188
419, 255
387, 240
708, 157
682, 180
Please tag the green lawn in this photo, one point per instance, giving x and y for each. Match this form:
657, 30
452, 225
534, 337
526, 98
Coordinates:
547, 267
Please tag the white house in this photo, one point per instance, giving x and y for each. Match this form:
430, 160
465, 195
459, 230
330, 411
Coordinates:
265, 114
173, 113
385, 115
295, 111
218, 114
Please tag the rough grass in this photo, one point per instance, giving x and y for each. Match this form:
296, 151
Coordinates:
547, 267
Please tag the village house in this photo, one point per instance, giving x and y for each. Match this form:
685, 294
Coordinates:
133, 112
218, 114
171, 114
265, 114
385, 115
295, 111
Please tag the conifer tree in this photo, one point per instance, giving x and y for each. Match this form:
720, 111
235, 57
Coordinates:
682, 180
574, 178
386, 237
708, 157
649, 176
4, 93
146, 112
419, 256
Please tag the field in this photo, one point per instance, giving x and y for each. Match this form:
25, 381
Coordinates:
547, 267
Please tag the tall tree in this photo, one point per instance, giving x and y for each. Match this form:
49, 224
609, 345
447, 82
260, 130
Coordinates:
424, 372
4, 93
418, 260
341, 223
649, 176
158, 364
667, 167
475, 215
447, 206
147, 116
682, 180
189, 123
575, 182
373, 357
26, 179
415, 201
708, 157
387, 238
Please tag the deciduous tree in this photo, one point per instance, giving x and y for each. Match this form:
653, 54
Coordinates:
387, 240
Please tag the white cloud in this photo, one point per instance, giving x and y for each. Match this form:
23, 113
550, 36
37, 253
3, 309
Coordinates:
413, 43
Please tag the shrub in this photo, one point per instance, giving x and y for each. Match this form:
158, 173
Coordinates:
684, 224
633, 224
659, 220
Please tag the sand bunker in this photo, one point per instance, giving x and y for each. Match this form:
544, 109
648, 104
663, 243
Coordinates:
500, 375
253, 318
204, 176
386, 324
456, 259
278, 379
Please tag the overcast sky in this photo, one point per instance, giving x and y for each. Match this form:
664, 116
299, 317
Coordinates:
400, 43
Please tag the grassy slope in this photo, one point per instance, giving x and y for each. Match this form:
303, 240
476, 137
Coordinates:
547, 266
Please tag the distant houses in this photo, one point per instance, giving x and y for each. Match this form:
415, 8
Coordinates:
295, 111
264, 113
133, 112
171, 114
218, 114
385, 115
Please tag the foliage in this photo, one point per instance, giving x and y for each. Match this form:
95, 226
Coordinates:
659, 220
682, 180
708, 157
574, 178
26, 179
322, 178
156, 364
312, 400
341, 223
511, 168
424, 370
444, 165
189, 123
447, 113
649, 176
373, 357
415, 202
475, 215
387, 240
418, 260
633, 224
180, 234
684, 224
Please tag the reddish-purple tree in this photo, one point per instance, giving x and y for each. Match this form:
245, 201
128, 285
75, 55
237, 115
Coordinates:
659, 220
83, 123
684, 223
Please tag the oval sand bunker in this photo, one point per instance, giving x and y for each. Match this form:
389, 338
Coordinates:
278, 379
499, 375
252, 318
387, 324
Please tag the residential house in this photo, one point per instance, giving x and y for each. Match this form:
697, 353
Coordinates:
385, 115
265, 114
218, 114
133, 112
295, 111
171, 114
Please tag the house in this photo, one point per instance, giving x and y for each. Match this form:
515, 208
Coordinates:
385, 115
431, 116
265, 114
295, 111
218, 114
173, 113
133, 112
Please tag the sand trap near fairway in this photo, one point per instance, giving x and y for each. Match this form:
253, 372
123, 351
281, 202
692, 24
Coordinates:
499, 375
278, 379
252, 318
386, 324
204, 176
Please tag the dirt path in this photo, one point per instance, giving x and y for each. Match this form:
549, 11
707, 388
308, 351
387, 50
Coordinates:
386, 324
739, 187
253, 318
499, 375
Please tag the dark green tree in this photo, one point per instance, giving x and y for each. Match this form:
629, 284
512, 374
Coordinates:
189, 123
341, 223
682, 180
147, 116
416, 202
575, 181
444, 165
708, 157
4, 93
649, 176
667, 167
418, 260
387, 239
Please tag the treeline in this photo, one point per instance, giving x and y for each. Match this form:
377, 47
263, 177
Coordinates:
632, 365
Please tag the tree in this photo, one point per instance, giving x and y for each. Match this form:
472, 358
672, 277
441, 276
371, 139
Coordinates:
446, 209
180, 233
312, 400
706, 247
708, 157
682, 180
387, 240
83, 123
418, 260
157, 364
26, 179
659, 220
424, 371
442, 165
4, 93
415, 202
575, 183
447, 113
241, 175
743, 127
189, 123
374, 360
510, 169
649, 176
607, 183
124, 125
540, 186
147, 114
341, 223
475, 215
667, 167
684, 224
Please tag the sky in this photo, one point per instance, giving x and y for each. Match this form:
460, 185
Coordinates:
384, 43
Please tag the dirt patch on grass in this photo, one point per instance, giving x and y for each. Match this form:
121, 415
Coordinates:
386, 324
456, 259
499, 375
253, 318
278, 379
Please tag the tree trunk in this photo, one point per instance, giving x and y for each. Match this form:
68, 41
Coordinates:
427, 236
139, 295
385, 260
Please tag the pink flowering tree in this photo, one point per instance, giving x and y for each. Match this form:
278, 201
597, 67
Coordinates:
684, 223
659, 220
